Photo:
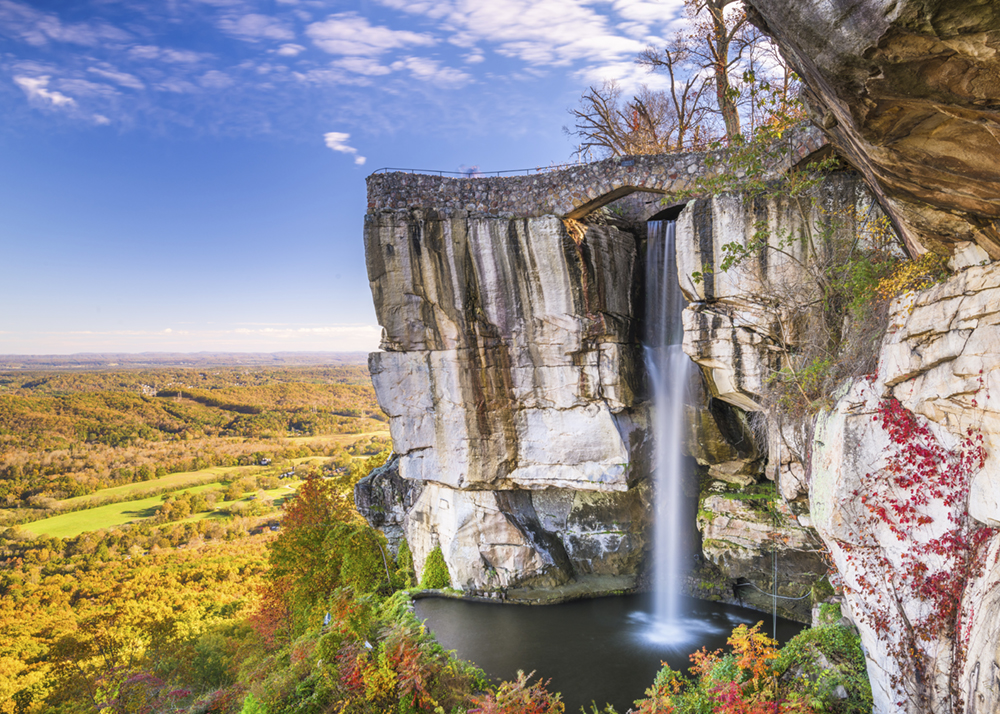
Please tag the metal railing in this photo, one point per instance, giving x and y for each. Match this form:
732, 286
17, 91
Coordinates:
476, 173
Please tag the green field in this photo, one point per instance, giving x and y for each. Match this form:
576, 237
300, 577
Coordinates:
70, 525
93, 512
171, 482
339, 439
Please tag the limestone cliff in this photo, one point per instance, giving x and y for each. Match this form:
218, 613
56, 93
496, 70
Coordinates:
909, 92
512, 379
940, 361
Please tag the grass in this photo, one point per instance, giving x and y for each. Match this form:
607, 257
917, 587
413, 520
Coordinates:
187, 479
170, 482
70, 525
279, 495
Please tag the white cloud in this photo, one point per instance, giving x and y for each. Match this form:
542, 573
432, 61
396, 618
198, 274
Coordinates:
348, 33
628, 75
85, 88
151, 52
428, 70
214, 79
255, 27
338, 142
290, 50
553, 32
176, 85
39, 28
101, 119
362, 65
122, 78
36, 89
648, 11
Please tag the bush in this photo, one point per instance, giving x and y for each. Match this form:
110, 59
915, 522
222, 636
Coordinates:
801, 663
405, 573
435, 575
519, 697
810, 673
252, 706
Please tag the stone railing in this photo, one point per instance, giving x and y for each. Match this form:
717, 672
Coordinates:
570, 192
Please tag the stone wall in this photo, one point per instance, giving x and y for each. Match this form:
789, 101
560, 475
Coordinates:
570, 192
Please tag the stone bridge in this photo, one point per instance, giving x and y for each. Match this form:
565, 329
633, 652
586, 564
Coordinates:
569, 193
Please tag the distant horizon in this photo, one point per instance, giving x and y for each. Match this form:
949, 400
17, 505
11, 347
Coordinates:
206, 359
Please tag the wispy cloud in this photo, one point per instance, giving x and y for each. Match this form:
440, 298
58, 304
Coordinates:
123, 78
38, 28
278, 63
253, 27
214, 79
290, 50
362, 65
429, 70
348, 33
174, 56
338, 142
37, 90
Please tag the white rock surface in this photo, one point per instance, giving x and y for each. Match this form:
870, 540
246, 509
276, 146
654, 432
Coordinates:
938, 342
481, 547
511, 363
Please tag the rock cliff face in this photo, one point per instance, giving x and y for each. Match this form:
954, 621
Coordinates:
512, 372
940, 361
738, 326
512, 378
909, 92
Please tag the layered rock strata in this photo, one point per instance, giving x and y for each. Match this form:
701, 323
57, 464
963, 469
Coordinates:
941, 361
909, 93
511, 375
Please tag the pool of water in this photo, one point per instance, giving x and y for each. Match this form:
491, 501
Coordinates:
606, 650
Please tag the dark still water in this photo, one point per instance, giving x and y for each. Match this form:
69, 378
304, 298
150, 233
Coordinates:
606, 650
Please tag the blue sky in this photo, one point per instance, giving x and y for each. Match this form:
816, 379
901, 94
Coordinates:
189, 175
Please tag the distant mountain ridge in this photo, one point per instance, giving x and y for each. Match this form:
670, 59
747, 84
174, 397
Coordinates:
114, 360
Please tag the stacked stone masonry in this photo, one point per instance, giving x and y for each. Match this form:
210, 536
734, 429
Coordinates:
571, 192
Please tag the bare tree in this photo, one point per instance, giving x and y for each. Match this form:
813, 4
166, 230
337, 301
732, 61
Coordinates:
720, 50
609, 126
770, 87
687, 88
714, 39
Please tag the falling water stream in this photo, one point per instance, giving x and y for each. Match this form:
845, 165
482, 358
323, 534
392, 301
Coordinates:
609, 649
670, 372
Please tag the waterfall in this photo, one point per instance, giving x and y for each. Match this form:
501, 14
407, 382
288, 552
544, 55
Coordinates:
670, 373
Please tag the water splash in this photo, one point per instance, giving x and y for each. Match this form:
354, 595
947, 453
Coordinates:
670, 372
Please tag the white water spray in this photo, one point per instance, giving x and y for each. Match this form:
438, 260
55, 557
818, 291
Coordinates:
670, 373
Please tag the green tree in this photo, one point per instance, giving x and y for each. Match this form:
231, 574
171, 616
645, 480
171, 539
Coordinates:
435, 575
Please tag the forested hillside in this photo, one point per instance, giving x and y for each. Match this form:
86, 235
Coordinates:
68, 434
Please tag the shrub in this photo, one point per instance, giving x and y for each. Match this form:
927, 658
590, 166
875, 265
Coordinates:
435, 575
405, 574
518, 697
